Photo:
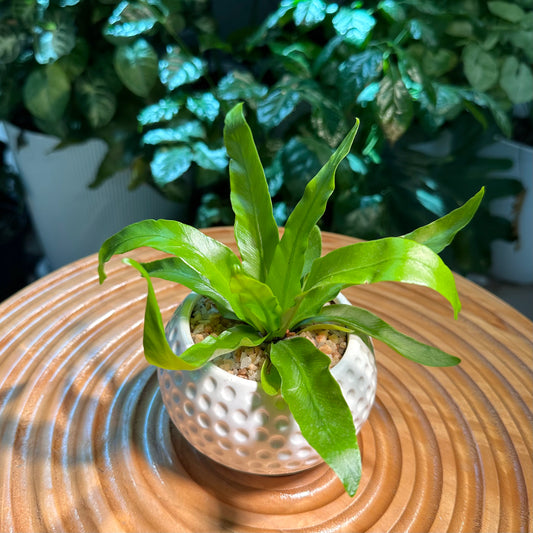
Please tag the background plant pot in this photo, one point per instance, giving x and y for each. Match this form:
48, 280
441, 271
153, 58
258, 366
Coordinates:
71, 220
231, 419
513, 261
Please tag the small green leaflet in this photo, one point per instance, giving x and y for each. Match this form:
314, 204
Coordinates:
215, 261
388, 259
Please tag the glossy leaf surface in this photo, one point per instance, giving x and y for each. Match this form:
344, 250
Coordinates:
256, 231
136, 66
169, 164
97, 100
362, 321
317, 404
255, 301
288, 263
46, 92
388, 259
178, 68
165, 109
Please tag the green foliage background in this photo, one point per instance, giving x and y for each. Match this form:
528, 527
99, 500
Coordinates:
154, 78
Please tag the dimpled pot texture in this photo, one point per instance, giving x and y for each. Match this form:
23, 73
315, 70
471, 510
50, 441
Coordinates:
234, 422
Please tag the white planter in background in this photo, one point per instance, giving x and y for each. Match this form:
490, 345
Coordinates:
513, 261
71, 220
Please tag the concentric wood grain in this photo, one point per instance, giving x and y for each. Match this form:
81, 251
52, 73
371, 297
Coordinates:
86, 445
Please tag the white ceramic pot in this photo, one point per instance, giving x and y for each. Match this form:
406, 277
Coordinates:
71, 220
234, 422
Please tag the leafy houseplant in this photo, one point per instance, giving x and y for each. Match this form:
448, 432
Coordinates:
407, 69
283, 284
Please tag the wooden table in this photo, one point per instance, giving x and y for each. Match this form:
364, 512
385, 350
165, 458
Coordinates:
86, 444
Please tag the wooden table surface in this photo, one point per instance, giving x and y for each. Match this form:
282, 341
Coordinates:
86, 444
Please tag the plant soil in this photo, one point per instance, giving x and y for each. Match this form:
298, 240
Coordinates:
246, 362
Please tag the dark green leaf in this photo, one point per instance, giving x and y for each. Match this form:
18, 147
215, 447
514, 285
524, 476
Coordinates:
278, 105
484, 100
115, 159
506, 10
287, 266
357, 72
522, 39
394, 11
413, 78
516, 80
363, 321
368, 94
130, 20
10, 44
298, 165
355, 25
184, 132
208, 158
328, 121
213, 211
461, 28
326, 54
76, 61
424, 32
256, 232
318, 406
205, 106
437, 63
388, 259
46, 92
136, 66
169, 164
239, 85
440, 233
479, 67
164, 110
255, 303
56, 39
449, 102
395, 107
178, 68
293, 58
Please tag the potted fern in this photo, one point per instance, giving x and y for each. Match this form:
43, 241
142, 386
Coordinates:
278, 287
